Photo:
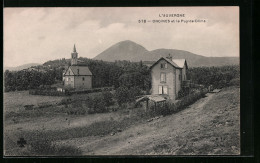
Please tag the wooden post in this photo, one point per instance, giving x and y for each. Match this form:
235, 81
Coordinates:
146, 105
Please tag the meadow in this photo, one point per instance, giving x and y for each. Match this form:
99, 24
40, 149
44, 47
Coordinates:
209, 126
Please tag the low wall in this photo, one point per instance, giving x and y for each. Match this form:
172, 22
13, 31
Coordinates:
54, 92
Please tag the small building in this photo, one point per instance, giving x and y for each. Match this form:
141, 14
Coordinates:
167, 76
77, 76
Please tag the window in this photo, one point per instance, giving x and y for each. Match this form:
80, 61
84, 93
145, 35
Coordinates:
163, 90
78, 71
67, 79
179, 77
83, 78
163, 77
163, 65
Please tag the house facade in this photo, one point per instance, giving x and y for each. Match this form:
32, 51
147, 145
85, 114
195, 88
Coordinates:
77, 76
167, 76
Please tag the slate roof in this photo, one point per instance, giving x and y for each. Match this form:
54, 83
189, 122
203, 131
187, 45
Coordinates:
177, 63
80, 70
171, 62
180, 62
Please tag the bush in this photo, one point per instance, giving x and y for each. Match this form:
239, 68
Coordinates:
96, 104
183, 92
234, 82
171, 107
163, 110
124, 95
108, 98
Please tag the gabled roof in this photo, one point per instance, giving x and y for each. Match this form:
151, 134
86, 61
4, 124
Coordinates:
80, 70
180, 62
172, 62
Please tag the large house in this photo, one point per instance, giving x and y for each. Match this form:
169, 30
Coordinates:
77, 76
167, 76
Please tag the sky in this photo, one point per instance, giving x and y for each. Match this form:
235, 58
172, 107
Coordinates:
37, 35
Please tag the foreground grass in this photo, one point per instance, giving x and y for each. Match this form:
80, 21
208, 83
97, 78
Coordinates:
209, 129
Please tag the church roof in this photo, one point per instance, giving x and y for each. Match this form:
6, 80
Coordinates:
80, 70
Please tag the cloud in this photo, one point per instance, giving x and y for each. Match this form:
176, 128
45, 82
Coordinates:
36, 35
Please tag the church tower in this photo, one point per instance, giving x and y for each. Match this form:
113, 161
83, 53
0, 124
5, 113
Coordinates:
74, 56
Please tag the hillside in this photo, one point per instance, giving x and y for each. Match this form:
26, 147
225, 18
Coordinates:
124, 50
18, 68
128, 50
210, 126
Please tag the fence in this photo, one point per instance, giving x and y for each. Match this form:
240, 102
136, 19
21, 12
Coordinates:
53, 92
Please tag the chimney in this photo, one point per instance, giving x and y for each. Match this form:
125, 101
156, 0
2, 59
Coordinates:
169, 57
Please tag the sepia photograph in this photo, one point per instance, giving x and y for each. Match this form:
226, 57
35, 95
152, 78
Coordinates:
121, 81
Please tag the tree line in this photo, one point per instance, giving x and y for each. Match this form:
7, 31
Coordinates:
105, 74
118, 74
218, 77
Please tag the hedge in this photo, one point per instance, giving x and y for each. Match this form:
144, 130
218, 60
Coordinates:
48, 92
53, 92
172, 107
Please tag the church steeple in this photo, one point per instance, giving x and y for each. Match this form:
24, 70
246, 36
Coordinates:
74, 56
74, 48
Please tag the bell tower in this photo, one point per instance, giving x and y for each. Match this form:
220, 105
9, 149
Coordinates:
74, 56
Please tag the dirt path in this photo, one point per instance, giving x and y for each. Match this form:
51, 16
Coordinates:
205, 127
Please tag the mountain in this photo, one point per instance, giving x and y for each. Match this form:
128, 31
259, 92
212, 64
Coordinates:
25, 66
129, 50
124, 50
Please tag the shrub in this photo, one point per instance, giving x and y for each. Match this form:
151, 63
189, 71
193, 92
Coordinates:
234, 82
171, 107
108, 98
183, 92
96, 104
124, 95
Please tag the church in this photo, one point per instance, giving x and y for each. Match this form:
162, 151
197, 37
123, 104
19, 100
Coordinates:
77, 76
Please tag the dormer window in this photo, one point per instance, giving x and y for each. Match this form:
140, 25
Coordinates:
163, 65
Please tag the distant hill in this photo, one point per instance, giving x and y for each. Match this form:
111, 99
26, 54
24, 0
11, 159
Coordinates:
125, 50
129, 50
25, 66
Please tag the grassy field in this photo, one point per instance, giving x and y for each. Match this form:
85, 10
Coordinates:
14, 101
209, 126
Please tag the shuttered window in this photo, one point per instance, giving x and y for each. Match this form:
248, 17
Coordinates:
160, 89
163, 90
163, 77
